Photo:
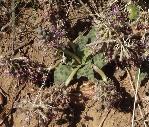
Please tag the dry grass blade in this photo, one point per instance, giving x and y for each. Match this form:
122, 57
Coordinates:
136, 91
133, 87
136, 98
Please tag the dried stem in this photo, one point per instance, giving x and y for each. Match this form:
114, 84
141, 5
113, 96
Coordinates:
136, 91
133, 87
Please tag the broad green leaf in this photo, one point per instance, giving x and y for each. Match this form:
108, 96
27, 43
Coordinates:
100, 72
83, 40
86, 71
72, 55
87, 54
99, 60
92, 35
61, 73
71, 76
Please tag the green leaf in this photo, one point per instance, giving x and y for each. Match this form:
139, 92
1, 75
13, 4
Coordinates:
101, 73
71, 54
61, 73
87, 54
99, 60
92, 35
86, 71
73, 73
83, 40
133, 11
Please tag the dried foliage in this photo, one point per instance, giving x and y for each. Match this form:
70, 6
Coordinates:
120, 34
25, 70
55, 105
108, 94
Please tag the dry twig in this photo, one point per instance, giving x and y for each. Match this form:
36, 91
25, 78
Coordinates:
135, 89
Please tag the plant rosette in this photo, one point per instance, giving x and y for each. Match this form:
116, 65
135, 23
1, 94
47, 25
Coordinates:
80, 61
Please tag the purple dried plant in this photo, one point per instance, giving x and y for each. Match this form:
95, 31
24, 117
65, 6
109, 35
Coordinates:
117, 16
115, 9
26, 70
51, 36
108, 94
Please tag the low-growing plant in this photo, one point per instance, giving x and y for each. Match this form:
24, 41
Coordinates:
133, 11
80, 61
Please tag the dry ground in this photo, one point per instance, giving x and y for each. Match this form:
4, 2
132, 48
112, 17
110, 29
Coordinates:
30, 105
